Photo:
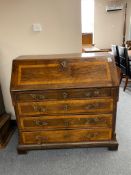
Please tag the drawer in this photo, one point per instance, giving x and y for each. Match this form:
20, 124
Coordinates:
74, 121
64, 94
65, 107
64, 136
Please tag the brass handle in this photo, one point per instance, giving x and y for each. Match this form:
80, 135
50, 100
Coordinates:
41, 139
91, 135
40, 123
96, 92
92, 120
92, 106
63, 65
39, 108
37, 97
96, 121
88, 94
65, 95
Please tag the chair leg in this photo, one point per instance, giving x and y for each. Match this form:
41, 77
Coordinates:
121, 76
126, 82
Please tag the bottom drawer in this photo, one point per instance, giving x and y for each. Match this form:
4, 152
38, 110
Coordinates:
64, 136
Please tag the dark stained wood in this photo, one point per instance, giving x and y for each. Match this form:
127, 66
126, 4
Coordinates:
64, 94
111, 145
6, 127
64, 101
6, 130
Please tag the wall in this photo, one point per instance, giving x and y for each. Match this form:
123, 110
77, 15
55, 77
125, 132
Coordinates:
61, 33
108, 27
128, 31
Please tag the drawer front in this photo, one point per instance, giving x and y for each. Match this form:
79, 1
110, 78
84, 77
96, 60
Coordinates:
64, 94
74, 121
64, 136
66, 107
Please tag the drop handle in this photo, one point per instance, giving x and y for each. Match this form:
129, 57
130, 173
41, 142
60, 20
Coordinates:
96, 92
40, 123
91, 135
91, 106
89, 94
92, 120
41, 139
39, 108
37, 97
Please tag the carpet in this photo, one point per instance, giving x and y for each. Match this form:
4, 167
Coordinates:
81, 161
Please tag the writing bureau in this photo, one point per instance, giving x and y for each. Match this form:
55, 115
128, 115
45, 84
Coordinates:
64, 101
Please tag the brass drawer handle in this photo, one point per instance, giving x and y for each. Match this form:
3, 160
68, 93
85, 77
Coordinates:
96, 121
41, 139
96, 92
65, 95
91, 135
39, 108
88, 94
92, 106
40, 123
92, 120
37, 97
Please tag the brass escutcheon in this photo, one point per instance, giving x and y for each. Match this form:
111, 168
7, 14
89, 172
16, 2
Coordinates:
65, 95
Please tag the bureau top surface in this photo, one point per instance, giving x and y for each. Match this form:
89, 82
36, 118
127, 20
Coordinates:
41, 72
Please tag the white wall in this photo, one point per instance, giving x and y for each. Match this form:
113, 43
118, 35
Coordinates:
108, 27
128, 33
61, 33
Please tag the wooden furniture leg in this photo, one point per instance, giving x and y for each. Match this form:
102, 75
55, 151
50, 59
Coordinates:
126, 82
121, 76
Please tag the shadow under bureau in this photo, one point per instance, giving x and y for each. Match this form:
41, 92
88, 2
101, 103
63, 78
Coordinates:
64, 101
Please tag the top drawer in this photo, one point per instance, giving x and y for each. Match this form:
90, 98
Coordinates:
64, 94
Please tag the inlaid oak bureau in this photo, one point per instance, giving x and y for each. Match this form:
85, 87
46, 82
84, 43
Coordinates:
64, 101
